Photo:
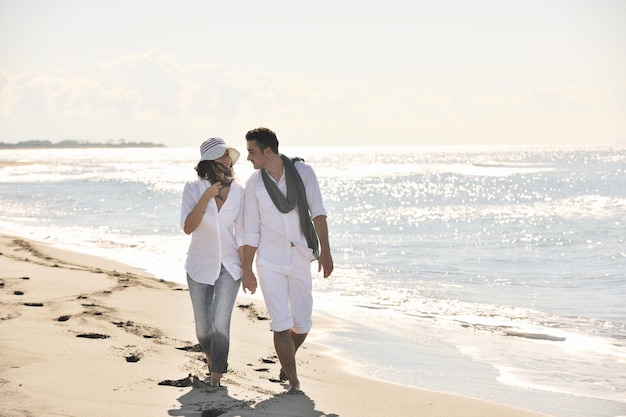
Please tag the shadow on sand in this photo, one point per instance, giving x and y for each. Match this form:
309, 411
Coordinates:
286, 405
202, 403
206, 401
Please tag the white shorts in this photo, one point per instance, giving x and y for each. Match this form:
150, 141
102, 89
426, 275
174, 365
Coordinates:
287, 292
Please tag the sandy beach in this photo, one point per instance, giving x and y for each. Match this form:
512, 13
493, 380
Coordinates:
85, 336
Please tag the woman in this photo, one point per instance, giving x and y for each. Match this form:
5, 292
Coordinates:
212, 212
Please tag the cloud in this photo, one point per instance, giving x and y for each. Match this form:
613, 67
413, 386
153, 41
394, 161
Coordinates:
152, 96
150, 80
561, 99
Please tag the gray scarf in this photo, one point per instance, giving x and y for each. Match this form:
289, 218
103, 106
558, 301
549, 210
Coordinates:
296, 195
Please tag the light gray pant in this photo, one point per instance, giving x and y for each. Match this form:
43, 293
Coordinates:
212, 309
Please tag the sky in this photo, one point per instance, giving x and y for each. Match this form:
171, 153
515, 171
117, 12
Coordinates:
323, 72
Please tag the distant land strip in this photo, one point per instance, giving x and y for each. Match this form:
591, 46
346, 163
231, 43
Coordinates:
79, 144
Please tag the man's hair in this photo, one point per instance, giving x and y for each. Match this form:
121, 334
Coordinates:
264, 137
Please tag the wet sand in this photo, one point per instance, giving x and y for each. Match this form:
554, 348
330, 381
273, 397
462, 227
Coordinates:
86, 336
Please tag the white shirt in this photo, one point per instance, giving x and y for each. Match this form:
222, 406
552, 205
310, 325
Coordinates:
216, 240
271, 231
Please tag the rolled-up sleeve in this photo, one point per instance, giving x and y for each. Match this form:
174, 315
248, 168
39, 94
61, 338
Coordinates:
239, 223
313, 193
189, 202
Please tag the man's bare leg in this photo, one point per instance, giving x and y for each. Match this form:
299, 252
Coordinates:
286, 351
297, 339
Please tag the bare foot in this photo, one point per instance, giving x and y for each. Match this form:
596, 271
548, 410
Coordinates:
294, 390
197, 383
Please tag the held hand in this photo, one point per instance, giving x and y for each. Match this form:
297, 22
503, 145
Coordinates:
213, 190
325, 262
248, 282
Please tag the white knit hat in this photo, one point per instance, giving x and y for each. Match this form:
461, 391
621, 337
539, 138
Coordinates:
214, 148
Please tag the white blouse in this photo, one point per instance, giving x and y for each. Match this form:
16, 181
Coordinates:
273, 232
216, 240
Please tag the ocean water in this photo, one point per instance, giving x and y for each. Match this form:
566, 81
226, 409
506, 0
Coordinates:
495, 272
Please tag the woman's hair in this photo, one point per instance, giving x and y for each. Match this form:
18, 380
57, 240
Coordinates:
264, 137
211, 171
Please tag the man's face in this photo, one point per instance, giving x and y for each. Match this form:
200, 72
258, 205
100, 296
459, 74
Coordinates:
255, 155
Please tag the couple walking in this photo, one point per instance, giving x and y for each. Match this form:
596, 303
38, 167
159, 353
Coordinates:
280, 219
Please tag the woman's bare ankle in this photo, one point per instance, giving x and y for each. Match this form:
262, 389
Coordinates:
216, 379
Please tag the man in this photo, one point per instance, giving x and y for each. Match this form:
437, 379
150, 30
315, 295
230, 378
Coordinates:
281, 198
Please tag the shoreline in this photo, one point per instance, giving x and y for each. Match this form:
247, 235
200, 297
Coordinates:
82, 335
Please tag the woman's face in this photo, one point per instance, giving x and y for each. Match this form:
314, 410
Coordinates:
225, 160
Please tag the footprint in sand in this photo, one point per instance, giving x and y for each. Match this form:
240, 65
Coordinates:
252, 312
133, 358
93, 335
184, 382
192, 348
